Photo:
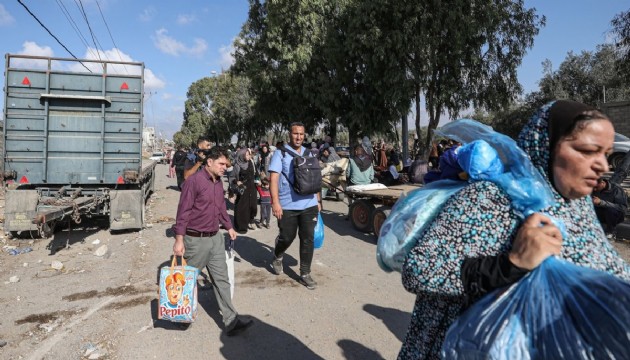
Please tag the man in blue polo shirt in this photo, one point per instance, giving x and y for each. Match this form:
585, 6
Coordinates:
296, 214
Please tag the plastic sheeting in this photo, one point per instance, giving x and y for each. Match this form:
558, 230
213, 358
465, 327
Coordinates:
558, 311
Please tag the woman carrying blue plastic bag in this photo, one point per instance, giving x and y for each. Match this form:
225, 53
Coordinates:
479, 236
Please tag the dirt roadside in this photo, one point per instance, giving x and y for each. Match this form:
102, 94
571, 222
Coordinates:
104, 307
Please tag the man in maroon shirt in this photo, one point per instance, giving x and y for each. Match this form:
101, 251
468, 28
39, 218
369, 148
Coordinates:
197, 237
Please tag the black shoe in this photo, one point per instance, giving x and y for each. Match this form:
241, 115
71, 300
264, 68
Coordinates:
238, 326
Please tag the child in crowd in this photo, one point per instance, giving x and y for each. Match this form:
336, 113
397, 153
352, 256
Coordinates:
265, 201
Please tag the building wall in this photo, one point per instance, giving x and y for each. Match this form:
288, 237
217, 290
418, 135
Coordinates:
619, 114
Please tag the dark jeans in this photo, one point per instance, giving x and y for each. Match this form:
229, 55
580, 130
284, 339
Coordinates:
289, 224
179, 172
265, 212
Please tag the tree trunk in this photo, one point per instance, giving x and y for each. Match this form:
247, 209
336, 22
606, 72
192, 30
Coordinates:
418, 130
333, 130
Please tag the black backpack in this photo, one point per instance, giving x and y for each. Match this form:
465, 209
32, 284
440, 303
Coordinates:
306, 171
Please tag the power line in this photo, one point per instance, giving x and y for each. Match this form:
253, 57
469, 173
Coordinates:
110, 36
51, 34
82, 11
76, 28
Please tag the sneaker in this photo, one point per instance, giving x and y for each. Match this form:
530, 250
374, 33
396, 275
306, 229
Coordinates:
238, 326
276, 265
266, 224
308, 281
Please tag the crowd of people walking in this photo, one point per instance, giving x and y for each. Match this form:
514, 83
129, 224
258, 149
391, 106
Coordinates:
450, 267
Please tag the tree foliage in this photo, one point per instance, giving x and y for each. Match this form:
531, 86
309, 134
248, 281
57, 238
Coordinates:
274, 51
362, 62
621, 31
197, 113
232, 111
586, 77
473, 51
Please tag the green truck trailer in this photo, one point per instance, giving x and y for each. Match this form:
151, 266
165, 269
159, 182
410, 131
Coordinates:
73, 144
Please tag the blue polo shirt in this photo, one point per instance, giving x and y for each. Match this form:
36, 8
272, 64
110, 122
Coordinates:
289, 199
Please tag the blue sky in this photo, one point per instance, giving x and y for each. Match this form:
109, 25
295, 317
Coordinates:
183, 41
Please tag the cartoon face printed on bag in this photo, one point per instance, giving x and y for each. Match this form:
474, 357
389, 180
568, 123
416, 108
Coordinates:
174, 287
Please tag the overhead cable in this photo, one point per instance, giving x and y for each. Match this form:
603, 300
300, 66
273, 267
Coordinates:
51, 34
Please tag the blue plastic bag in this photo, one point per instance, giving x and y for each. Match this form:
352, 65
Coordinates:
520, 179
486, 155
319, 232
409, 217
558, 311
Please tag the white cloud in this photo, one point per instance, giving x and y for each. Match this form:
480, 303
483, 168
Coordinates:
167, 96
151, 81
5, 18
147, 14
184, 19
172, 46
31, 48
227, 56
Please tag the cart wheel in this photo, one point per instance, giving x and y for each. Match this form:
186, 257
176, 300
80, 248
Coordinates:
361, 215
378, 219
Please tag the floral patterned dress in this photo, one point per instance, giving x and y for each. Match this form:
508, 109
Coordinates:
478, 221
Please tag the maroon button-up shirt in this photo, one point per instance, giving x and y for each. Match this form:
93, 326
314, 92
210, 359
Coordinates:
201, 205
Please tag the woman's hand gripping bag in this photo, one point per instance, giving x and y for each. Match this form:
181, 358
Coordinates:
319, 232
557, 311
178, 292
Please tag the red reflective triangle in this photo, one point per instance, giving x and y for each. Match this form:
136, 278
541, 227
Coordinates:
26, 81
24, 180
124, 86
120, 180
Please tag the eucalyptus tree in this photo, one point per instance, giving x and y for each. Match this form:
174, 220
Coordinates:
621, 31
232, 110
357, 77
470, 52
197, 108
274, 50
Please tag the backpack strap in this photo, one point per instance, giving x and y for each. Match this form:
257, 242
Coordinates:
293, 154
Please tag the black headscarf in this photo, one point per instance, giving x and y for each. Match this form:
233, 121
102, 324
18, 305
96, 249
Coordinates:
363, 160
563, 115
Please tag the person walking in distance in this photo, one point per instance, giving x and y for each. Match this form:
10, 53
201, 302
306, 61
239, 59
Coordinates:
171, 168
265, 202
200, 211
296, 214
179, 159
195, 159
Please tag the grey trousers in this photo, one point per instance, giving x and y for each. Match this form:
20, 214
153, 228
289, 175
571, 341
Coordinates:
210, 251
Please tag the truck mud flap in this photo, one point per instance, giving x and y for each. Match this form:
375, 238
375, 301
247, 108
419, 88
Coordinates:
127, 209
20, 209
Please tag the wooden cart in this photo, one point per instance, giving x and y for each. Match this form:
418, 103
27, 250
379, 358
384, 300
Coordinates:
370, 208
